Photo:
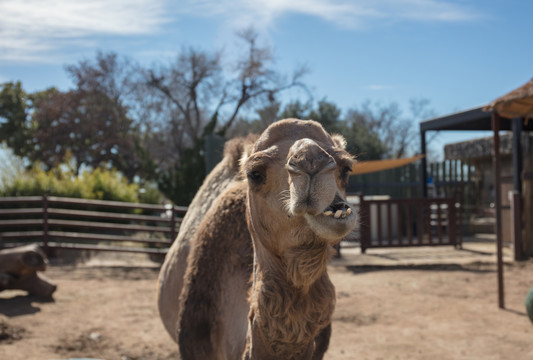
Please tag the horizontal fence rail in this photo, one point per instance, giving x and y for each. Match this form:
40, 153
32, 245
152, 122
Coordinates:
409, 222
81, 224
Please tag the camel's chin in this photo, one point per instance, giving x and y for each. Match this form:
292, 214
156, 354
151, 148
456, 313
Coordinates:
331, 228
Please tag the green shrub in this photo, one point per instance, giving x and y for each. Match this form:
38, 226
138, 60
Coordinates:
99, 184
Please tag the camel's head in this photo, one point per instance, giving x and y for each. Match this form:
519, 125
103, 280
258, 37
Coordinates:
297, 175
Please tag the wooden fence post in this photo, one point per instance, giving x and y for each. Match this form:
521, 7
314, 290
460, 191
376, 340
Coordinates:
364, 224
452, 222
46, 249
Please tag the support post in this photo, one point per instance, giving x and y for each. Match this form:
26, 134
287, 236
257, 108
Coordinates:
516, 125
423, 169
516, 225
516, 196
498, 201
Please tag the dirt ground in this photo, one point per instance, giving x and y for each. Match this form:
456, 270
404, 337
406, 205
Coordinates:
404, 312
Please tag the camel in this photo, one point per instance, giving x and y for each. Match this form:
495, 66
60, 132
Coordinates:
247, 276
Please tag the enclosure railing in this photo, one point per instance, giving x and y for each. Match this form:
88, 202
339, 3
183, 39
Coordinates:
409, 222
81, 224
447, 179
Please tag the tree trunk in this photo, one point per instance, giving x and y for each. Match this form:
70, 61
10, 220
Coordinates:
18, 270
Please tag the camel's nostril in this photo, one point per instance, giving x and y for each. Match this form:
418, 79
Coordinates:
308, 157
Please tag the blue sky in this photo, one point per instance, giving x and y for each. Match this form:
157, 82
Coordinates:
459, 54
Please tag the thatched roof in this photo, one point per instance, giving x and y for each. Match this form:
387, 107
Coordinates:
477, 148
515, 104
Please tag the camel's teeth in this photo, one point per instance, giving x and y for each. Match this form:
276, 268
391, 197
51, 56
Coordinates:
338, 214
327, 213
348, 211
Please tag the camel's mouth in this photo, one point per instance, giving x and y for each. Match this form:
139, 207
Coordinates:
335, 222
338, 210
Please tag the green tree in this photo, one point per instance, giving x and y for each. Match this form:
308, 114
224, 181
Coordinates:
90, 123
87, 125
329, 115
387, 121
361, 141
181, 183
266, 115
297, 110
102, 107
373, 131
326, 113
15, 127
357, 127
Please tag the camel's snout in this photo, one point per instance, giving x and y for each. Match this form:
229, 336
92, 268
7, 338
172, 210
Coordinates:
307, 157
311, 178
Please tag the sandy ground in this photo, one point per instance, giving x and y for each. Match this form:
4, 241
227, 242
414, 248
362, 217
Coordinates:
444, 311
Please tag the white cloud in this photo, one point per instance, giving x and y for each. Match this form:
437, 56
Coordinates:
37, 29
344, 13
30, 29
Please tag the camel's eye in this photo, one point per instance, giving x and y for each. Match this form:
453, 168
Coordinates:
256, 167
256, 177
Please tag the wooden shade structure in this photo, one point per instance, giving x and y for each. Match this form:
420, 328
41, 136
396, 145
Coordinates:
511, 111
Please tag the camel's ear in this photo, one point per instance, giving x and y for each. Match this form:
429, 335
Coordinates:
246, 152
236, 148
339, 141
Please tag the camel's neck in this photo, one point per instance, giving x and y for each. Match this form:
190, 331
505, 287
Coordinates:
293, 301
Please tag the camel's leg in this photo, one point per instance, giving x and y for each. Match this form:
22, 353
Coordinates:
322, 343
214, 308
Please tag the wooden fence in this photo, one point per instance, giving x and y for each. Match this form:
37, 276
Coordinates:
409, 222
448, 179
69, 223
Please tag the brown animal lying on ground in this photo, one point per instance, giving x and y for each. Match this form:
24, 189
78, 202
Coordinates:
246, 277
18, 270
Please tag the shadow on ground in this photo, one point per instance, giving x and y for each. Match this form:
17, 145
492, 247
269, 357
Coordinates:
21, 305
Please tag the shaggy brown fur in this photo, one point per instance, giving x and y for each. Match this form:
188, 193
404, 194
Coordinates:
201, 297
172, 275
254, 283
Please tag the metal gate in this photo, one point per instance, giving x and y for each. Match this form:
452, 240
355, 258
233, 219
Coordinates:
409, 222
